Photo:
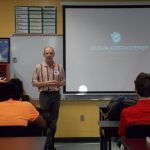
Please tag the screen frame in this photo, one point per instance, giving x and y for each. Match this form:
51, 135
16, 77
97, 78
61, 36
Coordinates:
64, 43
8, 53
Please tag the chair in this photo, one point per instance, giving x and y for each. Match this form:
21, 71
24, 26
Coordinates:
20, 131
138, 131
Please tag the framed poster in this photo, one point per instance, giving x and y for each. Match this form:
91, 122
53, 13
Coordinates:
4, 50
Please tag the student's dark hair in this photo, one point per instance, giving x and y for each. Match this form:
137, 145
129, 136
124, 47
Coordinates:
142, 84
5, 91
17, 87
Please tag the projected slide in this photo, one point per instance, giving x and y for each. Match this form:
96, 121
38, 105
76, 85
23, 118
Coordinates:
105, 48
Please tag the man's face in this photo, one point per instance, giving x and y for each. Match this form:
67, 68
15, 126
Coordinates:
49, 54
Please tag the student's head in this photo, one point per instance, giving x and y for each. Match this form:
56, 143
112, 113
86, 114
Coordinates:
5, 91
17, 87
142, 84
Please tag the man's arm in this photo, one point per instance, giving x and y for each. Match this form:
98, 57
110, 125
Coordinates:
46, 83
62, 82
40, 122
38, 83
2, 80
62, 77
34, 116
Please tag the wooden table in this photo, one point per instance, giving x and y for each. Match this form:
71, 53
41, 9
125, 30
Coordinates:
22, 143
136, 144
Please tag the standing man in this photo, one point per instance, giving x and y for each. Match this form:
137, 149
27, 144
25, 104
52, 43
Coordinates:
49, 77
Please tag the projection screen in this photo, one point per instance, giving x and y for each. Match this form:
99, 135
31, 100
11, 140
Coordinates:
105, 47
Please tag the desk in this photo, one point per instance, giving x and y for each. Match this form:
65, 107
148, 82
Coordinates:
108, 129
136, 144
22, 143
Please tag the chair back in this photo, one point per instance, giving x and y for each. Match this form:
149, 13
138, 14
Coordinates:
20, 131
138, 131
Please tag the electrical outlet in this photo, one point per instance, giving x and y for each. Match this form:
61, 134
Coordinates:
82, 118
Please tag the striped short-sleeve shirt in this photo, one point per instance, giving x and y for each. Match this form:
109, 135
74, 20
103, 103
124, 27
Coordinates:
43, 73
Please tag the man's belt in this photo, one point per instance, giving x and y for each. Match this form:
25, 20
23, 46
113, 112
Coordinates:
50, 92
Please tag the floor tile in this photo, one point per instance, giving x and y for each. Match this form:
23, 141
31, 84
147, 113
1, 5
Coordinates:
82, 146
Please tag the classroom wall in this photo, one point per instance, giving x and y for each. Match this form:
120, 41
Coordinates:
71, 114
71, 111
7, 14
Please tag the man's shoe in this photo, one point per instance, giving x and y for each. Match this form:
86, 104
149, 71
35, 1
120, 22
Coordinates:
50, 148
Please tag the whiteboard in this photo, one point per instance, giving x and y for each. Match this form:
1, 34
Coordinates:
27, 52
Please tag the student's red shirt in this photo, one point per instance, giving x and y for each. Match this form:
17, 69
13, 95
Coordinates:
137, 114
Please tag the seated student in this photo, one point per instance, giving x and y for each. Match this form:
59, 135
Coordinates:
115, 107
140, 112
2, 77
14, 112
19, 85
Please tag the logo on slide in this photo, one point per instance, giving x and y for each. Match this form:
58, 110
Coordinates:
116, 37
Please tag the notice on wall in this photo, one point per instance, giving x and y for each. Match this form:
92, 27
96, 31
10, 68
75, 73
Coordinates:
36, 19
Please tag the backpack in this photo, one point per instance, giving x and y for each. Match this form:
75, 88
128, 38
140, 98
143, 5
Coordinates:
115, 107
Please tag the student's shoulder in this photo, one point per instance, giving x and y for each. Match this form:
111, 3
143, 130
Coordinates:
129, 110
40, 65
25, 103
60, 65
